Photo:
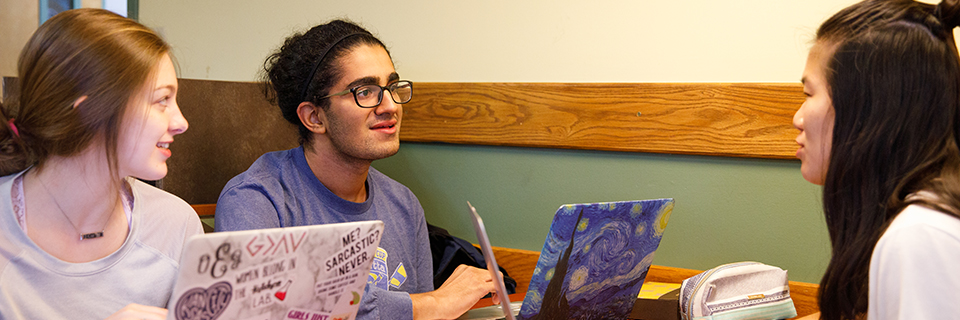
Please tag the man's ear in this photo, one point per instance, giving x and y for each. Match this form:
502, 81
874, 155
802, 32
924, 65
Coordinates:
312, 117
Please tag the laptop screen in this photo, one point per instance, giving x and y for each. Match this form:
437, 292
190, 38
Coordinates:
485, 247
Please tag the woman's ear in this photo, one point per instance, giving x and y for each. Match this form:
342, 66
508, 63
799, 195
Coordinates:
312, 117
79, 100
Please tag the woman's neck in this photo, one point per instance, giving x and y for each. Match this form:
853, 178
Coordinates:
83, 187
66, 197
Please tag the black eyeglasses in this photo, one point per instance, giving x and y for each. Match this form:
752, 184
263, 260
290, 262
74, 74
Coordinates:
369, 96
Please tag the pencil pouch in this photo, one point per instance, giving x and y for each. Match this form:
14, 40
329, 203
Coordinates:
742, 290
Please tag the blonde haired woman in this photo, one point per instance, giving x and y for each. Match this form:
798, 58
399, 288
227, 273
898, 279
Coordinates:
80, 238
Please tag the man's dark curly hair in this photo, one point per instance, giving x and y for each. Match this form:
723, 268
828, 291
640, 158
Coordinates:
286, 71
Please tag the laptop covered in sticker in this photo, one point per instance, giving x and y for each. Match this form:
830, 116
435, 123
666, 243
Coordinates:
315, 272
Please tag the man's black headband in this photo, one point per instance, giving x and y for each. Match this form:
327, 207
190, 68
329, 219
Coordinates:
306, 83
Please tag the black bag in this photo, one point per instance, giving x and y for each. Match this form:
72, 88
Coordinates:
450, 252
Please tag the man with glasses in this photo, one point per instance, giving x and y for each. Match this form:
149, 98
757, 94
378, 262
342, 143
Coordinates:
337, 84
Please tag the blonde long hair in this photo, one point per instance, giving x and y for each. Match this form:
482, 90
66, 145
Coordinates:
84, 52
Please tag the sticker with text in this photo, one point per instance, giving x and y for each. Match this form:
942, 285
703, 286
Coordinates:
204, 303
301, 314
268, 245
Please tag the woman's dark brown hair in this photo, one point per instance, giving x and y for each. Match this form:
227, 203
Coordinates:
894, 80
90, 53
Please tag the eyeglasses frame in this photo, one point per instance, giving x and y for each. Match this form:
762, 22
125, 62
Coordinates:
379, 99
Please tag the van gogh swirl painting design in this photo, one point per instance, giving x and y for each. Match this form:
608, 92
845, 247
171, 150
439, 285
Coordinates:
595, 259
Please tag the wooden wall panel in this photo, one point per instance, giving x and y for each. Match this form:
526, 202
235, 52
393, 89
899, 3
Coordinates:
231, 124
8, 90
739, 120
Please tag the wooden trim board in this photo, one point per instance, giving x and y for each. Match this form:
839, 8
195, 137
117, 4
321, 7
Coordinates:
715, 119
718, 119
205, 210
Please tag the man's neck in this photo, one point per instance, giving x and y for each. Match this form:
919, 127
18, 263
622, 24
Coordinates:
346, 178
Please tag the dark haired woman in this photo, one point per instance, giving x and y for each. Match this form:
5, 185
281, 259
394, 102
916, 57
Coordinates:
79, 237
879, 131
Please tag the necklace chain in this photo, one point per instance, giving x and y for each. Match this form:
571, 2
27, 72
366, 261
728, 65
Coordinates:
83, 236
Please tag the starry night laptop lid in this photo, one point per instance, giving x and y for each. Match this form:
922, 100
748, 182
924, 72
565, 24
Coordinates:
595, 259
308, 273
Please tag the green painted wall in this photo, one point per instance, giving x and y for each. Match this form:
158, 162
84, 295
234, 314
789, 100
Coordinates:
727, 209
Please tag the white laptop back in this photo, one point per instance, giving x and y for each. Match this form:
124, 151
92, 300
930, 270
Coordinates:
309, 273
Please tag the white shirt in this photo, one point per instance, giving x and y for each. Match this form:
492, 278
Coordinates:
37, 285
915, 267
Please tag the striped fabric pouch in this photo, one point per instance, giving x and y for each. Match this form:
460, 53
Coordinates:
742, 291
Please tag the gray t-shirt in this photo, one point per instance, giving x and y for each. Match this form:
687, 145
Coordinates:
280, 190
36, 285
